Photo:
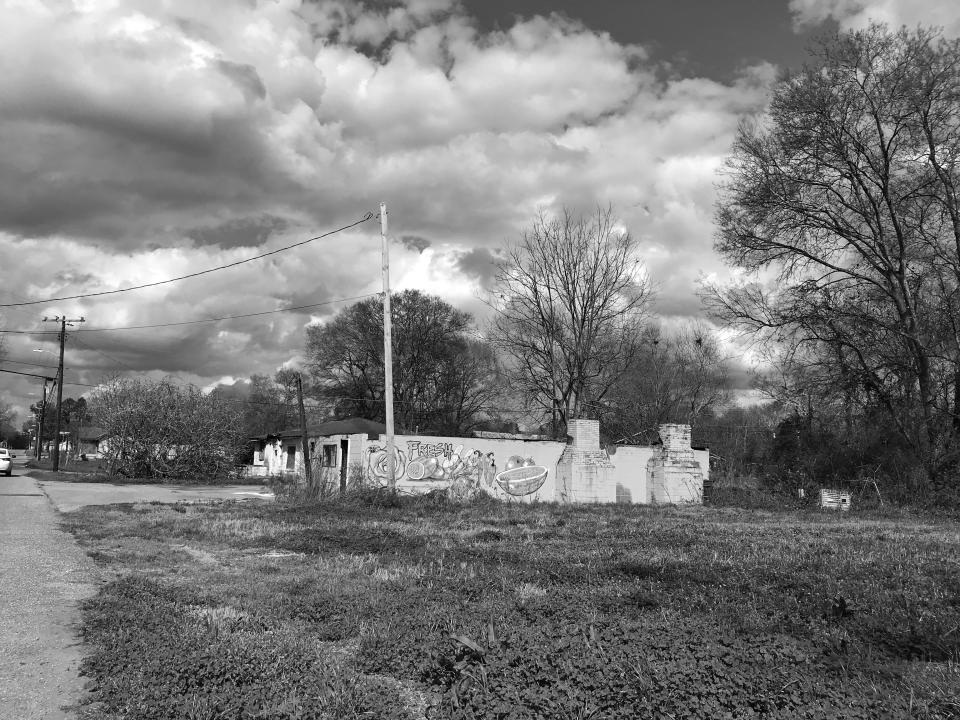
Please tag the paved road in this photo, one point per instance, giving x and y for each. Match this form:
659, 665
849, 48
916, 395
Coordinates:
67, 496
43, 575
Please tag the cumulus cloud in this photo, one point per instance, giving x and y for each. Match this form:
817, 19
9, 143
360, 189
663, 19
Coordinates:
856, 14
143, 140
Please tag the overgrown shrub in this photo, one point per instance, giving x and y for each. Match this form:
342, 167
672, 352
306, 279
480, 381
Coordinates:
166, 431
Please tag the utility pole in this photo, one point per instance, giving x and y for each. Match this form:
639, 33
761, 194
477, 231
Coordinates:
42, 414
307, 468
387, 350
64, 321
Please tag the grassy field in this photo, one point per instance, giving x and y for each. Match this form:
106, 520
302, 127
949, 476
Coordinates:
407, 610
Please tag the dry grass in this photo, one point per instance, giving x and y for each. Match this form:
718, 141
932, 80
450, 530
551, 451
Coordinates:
872, 602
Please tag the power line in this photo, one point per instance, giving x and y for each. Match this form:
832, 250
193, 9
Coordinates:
365, 218
230, 317
24, 362
202, 320
102, 354
16, 372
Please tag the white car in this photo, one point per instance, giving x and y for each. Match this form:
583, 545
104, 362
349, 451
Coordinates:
6, 462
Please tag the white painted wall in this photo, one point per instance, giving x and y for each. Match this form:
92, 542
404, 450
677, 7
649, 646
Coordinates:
631, 474
480, 462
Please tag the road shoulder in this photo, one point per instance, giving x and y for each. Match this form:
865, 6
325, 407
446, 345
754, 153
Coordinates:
43, 577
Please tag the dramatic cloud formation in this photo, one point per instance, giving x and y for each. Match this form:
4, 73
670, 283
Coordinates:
855, 14
141, 141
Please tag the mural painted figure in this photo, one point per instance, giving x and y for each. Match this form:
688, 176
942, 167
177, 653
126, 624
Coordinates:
442, 462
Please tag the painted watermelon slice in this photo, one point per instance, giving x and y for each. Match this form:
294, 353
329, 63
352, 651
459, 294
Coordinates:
522, 480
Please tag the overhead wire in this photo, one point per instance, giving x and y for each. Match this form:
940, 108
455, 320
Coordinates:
18, 306
17, 372
102, 354
228, 317
365, 218
24, 362
332, 301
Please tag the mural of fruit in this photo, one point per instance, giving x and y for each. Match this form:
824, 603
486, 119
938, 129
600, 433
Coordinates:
423, 468
416, 470
514, 461
522, 479
377, 461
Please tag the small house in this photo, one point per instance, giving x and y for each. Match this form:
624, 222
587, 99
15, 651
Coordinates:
91, 441
334, 446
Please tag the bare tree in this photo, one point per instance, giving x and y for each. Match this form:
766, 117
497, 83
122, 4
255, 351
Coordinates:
571, 299
843, 202
673, 376
161, 430
268, 408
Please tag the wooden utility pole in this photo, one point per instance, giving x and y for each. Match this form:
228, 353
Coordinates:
307, 467
387, 350
63, 339
42, 414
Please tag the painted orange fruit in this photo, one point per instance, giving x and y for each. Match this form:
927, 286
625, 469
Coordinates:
522, 480
416, 470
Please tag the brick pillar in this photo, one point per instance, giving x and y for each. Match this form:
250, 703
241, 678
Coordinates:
584, 471
677, 476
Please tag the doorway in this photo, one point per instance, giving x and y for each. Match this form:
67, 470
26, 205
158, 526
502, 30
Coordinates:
344, 448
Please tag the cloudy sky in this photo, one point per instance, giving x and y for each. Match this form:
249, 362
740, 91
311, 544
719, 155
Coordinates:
144, 140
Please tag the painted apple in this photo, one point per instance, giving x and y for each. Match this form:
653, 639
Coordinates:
514, 461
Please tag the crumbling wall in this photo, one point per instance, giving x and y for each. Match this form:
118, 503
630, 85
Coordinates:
584, 471
677, 476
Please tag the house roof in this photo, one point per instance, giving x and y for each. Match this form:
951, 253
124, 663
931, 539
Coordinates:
92, 432
349, 426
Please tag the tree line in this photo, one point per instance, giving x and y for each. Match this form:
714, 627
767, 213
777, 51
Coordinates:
841, 206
